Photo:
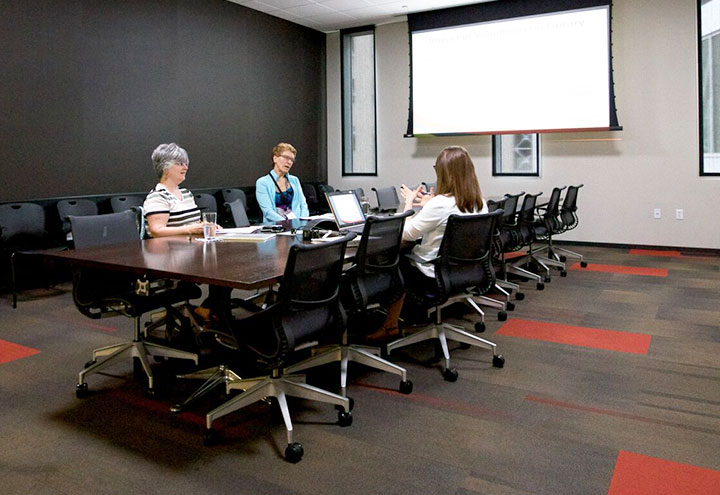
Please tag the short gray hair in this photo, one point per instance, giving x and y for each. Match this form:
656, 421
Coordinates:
165, 155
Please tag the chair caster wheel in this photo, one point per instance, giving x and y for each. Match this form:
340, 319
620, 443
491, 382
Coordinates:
498, 361
583, 264
540, 286
548, 280
502, 316
89, 363
176, 409
450, 375
510, 306
406, 387
480, 326
563, 273
294, 452
81, 390
351, 406
563, 259
150, 393
344, 418
519, 296
210, 437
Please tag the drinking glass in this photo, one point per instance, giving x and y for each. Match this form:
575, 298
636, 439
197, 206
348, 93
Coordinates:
209, 219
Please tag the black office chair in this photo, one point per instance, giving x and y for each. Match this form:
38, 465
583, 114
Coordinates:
238, 213
99, 293
307, 310
526, 236
205, 202
569, 219
387, 198
75, 207
430, 185
122, 203
508, 241
549, 224
541, 227
359, 192
374, 279
464, 263
231, 194
22, 233
311, 197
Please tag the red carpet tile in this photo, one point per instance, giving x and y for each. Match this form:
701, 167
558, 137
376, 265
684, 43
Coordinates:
637, 474
611, 340
653, 252
627, 270
11, 352
516, 254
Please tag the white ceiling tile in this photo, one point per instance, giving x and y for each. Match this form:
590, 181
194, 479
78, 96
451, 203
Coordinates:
261, 6
342, 4
311, 10
284, 4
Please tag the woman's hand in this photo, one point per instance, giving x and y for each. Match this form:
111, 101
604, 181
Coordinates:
195, 229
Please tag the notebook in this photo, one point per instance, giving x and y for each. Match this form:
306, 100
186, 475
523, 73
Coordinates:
347, 211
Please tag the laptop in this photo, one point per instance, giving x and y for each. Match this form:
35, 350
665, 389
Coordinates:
347, 211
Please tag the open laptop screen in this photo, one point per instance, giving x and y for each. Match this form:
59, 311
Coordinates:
346, 208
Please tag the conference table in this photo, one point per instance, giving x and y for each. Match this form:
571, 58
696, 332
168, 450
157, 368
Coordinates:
241, 265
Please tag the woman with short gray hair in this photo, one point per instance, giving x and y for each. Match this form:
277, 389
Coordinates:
169, 209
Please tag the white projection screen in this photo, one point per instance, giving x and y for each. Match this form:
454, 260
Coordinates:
539, 73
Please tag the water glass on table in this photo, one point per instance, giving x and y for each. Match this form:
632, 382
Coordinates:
209, 220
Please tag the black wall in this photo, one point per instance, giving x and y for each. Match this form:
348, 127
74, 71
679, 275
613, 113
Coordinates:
90, 87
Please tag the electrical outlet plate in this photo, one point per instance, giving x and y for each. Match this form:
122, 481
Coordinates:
656, 213
679, 214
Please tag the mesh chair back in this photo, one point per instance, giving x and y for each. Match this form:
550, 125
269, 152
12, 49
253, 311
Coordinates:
526, 218
569, 207
551, 216
387, 198
230, 195
239, 215
325, 188
206, 202
122, 203
103, 230
309, 291
465, 255
359, 192
376, 277
21, 219
310, 193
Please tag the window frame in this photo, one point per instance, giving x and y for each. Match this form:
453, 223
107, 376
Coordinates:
344, 34
701, 96
497, 157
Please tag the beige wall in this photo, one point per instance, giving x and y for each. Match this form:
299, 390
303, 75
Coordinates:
652, 163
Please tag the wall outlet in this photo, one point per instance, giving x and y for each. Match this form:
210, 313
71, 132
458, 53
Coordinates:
656, 213
679, 214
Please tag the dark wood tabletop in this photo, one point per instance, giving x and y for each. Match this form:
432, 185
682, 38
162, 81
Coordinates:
242, 265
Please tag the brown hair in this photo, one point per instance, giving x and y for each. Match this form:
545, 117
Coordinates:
456, 177
281, 147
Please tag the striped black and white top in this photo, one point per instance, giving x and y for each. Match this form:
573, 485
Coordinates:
182, 212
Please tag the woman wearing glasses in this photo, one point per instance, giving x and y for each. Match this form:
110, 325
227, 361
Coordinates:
278, 193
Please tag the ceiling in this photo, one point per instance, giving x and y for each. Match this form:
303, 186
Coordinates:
332, 15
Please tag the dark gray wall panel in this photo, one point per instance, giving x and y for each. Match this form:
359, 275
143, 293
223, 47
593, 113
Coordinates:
91, 87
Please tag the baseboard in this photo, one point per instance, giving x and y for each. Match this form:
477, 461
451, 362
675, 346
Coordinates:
683, 250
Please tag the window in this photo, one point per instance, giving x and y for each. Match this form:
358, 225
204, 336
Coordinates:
516, 154
358, 102
709, 12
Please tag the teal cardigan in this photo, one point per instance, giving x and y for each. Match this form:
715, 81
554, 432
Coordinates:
265, 195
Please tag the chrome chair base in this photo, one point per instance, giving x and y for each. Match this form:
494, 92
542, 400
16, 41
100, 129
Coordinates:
369, 356
217, 375
278, 387
138, 348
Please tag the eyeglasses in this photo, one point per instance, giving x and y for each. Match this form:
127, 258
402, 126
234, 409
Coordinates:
288, 158
180, 164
